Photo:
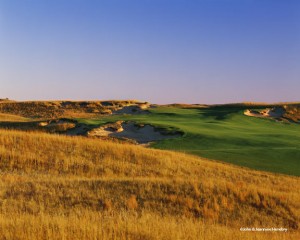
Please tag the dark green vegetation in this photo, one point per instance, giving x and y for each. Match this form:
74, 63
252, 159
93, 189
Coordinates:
224, 133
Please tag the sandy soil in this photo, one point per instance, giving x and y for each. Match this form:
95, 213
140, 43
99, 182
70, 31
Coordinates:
133, 109
129, 130
276, 112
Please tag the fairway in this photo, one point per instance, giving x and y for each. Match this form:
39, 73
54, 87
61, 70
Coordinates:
225, 134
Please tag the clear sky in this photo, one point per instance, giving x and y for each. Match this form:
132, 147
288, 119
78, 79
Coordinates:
162, 51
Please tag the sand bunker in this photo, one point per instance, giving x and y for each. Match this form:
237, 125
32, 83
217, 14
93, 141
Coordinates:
276, 112
133, 109
129, 130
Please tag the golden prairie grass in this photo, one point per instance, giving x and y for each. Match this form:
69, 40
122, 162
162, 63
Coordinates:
58, 109
265, 103
123, 225
59, 127
59, 187
292, 112
10, 117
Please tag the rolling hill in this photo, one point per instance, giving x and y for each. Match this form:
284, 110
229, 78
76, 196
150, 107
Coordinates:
78, 170
63, 187
224, 133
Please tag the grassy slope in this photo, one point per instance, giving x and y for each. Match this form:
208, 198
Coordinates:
12, 118
59, 187
224, 133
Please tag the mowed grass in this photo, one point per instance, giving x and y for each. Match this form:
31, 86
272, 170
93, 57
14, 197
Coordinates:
224, 133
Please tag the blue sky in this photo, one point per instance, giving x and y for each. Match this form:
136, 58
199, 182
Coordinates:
162, 51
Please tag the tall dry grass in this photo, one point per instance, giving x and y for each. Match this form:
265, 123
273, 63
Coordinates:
58, 109
292, 112
59, 187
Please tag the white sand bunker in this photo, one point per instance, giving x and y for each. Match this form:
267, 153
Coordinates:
276, 112
130, 130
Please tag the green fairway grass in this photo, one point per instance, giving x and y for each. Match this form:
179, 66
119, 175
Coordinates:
224, 133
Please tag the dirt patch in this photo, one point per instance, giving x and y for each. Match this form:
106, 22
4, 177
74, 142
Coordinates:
129, 130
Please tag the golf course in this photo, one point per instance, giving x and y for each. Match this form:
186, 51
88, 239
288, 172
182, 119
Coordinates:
224, 133
149, 120
133, 170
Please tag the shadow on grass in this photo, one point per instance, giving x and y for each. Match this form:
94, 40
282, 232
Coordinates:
219, 113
